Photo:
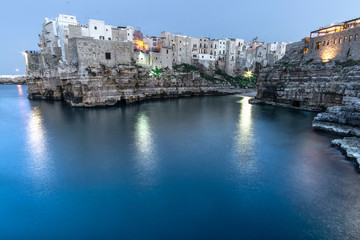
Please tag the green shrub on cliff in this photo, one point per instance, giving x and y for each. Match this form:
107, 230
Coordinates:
156, 72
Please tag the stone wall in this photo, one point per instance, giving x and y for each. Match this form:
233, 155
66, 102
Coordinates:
337, 46
33, 61
87, 52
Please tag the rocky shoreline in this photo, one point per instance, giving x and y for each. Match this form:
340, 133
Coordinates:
349, 146
12, 80
344, 121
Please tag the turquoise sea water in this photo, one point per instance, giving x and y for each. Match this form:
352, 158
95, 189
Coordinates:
190, 168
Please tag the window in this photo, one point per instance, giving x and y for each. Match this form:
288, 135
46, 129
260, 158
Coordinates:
214, 53
202, 56
194, 46
107, 30
350, 38
356, 37
102, 37
194, 56
95, 27
109, 38
167, 51
339, 39
328, 42
318, 45
200, 44
335, 41
345, 39
306, 50
180, 49
108, 55
94, 56
324, 43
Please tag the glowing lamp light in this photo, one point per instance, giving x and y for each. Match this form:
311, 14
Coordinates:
248, 74
17, 70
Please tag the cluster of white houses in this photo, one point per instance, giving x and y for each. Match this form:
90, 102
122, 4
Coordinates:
228, 54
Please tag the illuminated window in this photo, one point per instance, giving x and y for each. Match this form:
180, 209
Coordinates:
345, 39
356, 37
108, 55
350, 38
339, 39
306, 50
318, 45
335, 41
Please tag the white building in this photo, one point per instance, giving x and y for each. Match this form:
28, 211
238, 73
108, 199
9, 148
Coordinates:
56, 31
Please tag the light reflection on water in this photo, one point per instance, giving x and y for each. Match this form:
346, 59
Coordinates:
244, 139
19, 87
146, 150
37, 145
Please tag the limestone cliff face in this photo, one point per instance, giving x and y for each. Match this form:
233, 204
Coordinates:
310, 86
124, 83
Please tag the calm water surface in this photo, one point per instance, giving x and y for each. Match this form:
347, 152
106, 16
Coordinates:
194, 168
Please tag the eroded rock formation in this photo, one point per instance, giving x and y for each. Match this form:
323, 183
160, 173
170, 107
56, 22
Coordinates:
104, 86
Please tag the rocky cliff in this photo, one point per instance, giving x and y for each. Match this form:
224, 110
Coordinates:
312, 86
104, 86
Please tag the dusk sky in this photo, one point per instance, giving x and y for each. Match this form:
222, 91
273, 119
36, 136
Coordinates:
276, 20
